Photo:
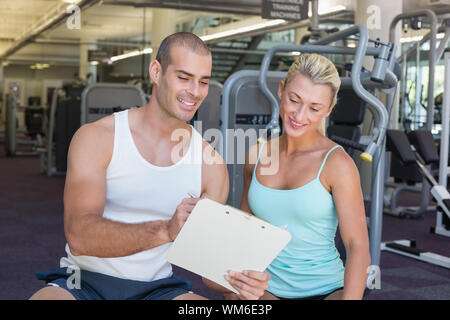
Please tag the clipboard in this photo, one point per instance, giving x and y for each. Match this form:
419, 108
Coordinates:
217, 238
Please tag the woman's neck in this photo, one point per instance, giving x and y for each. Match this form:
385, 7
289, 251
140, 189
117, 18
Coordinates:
306, 142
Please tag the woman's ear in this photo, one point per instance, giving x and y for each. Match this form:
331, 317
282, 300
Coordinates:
280, 89
155, 71
330, 110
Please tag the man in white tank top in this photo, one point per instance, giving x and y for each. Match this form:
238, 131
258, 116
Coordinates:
131, 184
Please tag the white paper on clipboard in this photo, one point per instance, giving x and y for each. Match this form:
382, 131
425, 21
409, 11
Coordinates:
218, 238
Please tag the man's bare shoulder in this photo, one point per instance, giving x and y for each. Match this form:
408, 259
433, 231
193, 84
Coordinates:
102, 129
215, 184
94, 140
211, 155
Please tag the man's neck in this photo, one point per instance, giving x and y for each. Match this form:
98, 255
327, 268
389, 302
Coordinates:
155, 122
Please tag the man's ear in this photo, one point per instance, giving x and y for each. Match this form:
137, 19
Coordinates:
155, 71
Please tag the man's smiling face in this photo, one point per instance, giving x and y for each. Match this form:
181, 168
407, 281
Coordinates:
184, 84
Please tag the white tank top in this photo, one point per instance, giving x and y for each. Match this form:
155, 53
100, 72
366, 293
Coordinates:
138, 191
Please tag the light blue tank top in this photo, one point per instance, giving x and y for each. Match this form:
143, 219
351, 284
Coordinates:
310, 264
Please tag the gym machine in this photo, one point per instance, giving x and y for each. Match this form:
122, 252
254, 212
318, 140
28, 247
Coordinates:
245, 114
34, 121
64, 115
410, 173
102, 99
442, 226
77, 108
425, 153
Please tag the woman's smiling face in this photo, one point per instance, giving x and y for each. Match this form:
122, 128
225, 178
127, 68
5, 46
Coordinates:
304, 104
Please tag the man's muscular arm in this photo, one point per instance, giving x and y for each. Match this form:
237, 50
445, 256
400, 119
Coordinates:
215, 183
87, 232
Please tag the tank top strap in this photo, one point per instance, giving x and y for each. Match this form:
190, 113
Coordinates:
121, 124
123, 139
325, 159
120, 119
197, 146
259, 155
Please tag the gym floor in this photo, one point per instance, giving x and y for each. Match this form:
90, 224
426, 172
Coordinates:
32, 239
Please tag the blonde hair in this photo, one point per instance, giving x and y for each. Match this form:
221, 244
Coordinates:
319, 70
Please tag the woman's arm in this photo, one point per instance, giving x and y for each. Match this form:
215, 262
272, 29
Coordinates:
215, 286
250, 162
343, 178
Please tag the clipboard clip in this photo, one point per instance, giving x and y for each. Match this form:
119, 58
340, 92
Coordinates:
248, 216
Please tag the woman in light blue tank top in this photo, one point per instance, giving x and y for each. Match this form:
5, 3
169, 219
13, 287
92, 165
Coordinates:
304, 182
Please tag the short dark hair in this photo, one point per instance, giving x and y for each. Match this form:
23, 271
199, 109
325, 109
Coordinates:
184, 39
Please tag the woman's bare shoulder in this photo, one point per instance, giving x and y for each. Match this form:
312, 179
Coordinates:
339, 164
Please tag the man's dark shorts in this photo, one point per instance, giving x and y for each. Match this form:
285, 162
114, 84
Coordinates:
97, 286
